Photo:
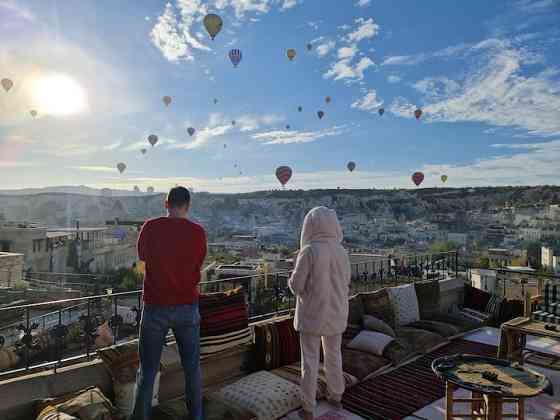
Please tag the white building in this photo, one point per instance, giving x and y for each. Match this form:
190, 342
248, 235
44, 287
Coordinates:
484, 279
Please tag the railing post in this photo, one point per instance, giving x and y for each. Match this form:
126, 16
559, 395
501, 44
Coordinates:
456, 264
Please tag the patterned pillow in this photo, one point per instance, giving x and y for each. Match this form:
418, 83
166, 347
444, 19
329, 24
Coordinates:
263, 393
428, 294
378, 304
51, 413
371, 342
276, 344
405, 304
372, 323
89, 404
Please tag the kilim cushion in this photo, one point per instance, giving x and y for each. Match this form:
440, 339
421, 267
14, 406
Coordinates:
89, 404
442, 328
276, 344
360, 364
263, 393
378, 304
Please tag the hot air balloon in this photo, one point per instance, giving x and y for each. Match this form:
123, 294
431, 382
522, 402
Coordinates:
191, 131
232, 122
121, 167
136, 188
291, 53
381, 111
309, 46
287, 126
283, 174
418, 113
235, 165
351, 166
320, 114
417, 178
299, 108
167, 100
7, 84
225, 146
33, 113
153, 139
143, 151
444, 178
150, 190
328, 99
235, 56
215, 101
213, 24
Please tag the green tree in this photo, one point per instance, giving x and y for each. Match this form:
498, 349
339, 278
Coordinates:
442, 246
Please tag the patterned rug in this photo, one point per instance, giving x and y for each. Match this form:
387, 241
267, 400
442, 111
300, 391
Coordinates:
403, 391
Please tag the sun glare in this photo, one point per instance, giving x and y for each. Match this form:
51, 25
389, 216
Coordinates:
58, 95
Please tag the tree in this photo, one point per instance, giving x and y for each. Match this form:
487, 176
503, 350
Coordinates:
443, 246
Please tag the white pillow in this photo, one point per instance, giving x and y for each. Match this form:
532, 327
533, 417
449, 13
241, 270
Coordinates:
371, 342
405, 304
124, 395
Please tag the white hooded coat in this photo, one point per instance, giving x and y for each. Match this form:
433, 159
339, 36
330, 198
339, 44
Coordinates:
321, 277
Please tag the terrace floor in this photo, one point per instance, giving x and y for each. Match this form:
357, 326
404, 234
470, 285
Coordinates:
542, 407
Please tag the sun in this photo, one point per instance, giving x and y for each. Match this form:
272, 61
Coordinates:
58, 95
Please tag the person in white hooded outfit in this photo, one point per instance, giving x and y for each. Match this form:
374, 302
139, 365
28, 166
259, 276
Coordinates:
320, 283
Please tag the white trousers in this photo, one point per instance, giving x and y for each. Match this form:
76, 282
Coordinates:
310, 356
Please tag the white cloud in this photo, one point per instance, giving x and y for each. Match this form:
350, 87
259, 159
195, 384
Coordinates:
498, 93
325, 47
369, 102
366, 29
294, 136
288, 4
402, 107
255, 122
363, 3
203, 136
538, 6
403, 60
393, 78
108, 169
437, 87
344, 69
165, 35
347, 52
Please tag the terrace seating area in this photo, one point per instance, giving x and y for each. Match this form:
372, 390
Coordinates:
252, 371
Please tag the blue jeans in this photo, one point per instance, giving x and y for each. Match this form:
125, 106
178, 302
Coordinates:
184, 320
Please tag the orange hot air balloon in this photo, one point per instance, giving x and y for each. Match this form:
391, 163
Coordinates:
291, 53
417, 178
283, 174
418, 113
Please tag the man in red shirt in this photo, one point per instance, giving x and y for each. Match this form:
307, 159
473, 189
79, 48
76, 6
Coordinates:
173, 249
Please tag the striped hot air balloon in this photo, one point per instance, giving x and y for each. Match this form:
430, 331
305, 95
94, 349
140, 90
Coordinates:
417, 178
283, 173
235, 56
418, 113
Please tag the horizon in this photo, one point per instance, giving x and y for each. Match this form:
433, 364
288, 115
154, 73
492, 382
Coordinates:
486, 76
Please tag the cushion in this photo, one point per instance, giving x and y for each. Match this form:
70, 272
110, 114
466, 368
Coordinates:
224, 321
263, 393
456, 319
213, 409
427, 293
378, 304
292, 373
371, 342
442, 328
276, 344
52, 413
405, 304
355, 309
88, 404
374, 324
360, 364
397, 352
476, 298
418, 340
351, 331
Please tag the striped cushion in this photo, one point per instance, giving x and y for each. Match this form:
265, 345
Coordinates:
276, 344
213, 344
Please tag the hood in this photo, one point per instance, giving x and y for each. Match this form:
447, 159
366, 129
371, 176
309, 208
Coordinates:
320, 224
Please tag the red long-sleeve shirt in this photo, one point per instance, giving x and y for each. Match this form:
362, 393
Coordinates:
173, 250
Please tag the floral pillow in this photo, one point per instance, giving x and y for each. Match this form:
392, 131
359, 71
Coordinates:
263, 393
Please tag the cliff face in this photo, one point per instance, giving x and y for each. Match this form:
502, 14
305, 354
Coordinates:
64, 209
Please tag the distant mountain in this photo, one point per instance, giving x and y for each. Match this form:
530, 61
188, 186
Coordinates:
70, 189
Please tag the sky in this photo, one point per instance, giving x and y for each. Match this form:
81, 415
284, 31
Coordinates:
486, 75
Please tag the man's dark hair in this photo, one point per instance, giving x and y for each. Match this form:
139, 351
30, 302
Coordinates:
178, 197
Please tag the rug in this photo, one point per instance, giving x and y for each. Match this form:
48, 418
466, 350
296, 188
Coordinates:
401, 392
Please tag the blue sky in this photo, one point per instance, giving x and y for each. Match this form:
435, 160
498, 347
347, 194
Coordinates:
486, 74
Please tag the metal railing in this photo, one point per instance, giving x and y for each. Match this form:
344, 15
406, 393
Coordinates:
46, 338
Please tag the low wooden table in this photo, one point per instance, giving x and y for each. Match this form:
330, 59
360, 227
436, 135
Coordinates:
513, 337
512, 384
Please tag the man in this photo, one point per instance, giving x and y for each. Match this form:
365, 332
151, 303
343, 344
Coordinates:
173, 249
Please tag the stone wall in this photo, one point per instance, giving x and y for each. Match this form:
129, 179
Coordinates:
11, 268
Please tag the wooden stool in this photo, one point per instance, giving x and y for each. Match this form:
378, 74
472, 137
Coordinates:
485, 407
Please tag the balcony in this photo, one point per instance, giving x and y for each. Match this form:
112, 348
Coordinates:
56, 352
